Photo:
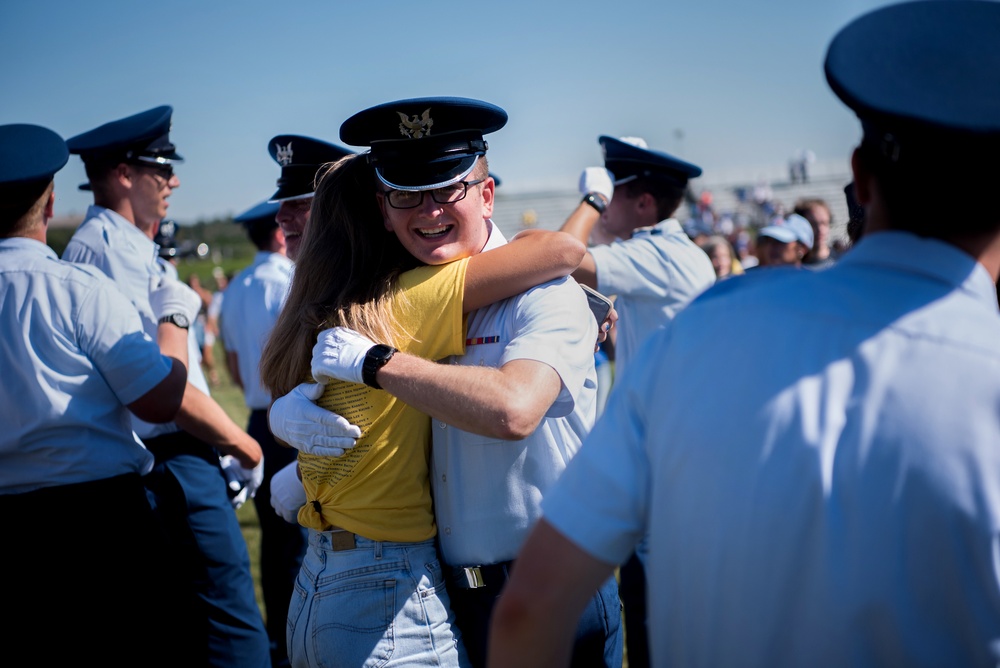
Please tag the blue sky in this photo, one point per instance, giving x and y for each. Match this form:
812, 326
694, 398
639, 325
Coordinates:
741, 81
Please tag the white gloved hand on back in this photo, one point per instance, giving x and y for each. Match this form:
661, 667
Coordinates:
339, 354
298, 421
287, 493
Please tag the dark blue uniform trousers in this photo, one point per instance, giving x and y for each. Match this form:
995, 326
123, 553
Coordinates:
188, 493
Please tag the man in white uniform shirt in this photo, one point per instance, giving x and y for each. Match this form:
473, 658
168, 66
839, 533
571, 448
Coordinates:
513, 410
76, 361
653, 270
129, 166
846, 509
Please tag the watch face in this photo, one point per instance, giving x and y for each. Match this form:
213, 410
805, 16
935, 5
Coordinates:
180, 320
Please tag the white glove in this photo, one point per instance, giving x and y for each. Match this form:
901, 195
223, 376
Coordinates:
242, 482
308, 428
287, 493
340, 353
170, 297
597, 180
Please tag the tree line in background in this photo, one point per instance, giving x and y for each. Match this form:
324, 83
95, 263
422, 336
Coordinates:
228, 247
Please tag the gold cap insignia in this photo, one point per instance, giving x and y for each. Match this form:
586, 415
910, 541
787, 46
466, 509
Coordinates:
416, 127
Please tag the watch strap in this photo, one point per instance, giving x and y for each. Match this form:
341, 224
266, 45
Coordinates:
175, 319
597, 201
376, 358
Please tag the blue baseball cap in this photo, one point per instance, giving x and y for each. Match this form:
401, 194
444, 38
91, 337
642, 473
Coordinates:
300, 158
629, 158
793, 228
424, 143
923, 78
30, 153
143, 138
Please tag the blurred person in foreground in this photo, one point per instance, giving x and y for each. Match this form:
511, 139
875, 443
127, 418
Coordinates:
847, 511
79, 533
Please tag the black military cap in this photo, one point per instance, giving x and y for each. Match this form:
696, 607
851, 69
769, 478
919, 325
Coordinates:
300, 158
628, 159
259, 213
924, 78
143, 138
424, 143
30, 154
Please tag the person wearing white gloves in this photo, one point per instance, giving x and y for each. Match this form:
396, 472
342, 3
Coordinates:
651, 268
369, 511
130, 167
508, 411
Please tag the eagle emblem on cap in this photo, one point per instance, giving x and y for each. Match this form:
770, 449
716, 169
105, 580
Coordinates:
416, 127
283, 154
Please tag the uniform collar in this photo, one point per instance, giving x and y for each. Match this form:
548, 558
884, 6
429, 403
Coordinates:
932, 258
125, 226
668, 226
26, 244
496, 239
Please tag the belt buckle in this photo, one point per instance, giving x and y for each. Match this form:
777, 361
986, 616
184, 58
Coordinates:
473, 577
342, 540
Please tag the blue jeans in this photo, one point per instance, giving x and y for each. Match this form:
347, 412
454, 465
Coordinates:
378, 604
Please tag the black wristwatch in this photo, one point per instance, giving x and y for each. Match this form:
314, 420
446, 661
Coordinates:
597, 201
376, 358
178, 319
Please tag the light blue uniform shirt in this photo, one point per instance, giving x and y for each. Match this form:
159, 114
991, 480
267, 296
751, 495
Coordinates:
249, 310
826, 493
124, 254
72, 354
654, 274
487, 492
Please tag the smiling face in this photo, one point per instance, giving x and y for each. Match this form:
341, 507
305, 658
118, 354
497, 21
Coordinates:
439, 233
292, 217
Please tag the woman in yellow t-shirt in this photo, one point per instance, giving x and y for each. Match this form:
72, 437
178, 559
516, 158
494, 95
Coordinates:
371, 585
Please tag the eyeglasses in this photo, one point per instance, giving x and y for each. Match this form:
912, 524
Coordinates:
165, 172
411, 199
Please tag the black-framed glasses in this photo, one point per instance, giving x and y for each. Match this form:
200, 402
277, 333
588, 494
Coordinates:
411, 199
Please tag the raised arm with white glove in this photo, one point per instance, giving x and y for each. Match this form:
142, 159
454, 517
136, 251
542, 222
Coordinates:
597, 180
300, 423
287, 493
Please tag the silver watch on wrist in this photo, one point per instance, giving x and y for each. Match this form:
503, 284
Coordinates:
178, 319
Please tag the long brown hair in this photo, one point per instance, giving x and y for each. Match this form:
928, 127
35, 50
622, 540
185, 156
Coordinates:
345, 274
